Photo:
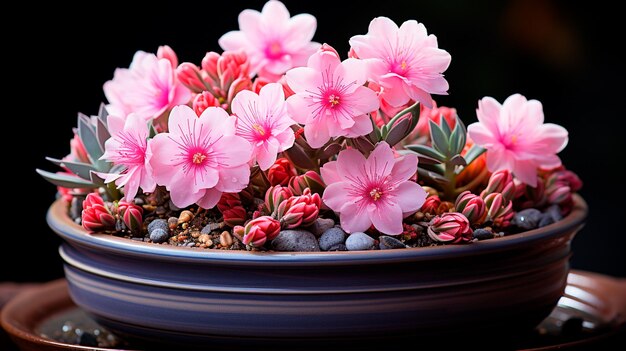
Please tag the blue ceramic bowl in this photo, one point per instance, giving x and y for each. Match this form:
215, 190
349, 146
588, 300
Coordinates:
171, 294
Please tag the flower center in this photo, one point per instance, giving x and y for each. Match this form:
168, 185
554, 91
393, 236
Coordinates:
333, 100
259, 129
198, 158
274, 50
375, 194
403, 65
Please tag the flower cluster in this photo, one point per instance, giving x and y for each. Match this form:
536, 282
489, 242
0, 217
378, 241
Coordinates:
280, 134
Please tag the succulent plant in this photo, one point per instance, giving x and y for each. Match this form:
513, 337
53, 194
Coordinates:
257, 231
92, 133
442, 161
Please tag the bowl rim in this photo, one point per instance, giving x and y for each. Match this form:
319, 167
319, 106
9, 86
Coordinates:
60, 222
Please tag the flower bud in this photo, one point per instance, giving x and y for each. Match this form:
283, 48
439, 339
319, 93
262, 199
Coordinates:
500, 182
96, 215
131, 215
258, 231
299, 211
450, 227
471, 206
281, 172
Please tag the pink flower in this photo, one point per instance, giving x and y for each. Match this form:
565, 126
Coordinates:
200, 157
128, 147
516, 138
376, 190
263, 121
406, 62
330, 99
273, 41
148, 87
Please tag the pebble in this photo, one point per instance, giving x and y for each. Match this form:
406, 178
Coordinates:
172, 222
157, 223
388, 242
555, 212
185, 216
204, 238
359, 241
527, 219
226, 239
159, 235
295, 240
546, 219
190, 244
339, 247
195, 234
139, 201
320, 226
210, 227
331, 237
482, 234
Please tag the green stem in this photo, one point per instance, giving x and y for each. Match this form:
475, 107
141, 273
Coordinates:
449, 189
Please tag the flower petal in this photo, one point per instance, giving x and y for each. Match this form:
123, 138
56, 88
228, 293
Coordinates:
351, 163
380, 162
316, 134
234, 179
302, 79
329, 173
410, 196
299, 108
354, 218
210, 198
232, 151
336, 195
404, 168
386, 217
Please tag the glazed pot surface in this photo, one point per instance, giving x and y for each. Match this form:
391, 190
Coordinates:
194, 295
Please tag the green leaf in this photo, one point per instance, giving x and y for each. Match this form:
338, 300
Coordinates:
363, 145
398, 132
458, 160
375, 134
426, 174
445, 127
299, 158
439, 138
102, 133
151, 131
426, 151
64, 180
457, 139
80, 169
88, 136
473, 153
103, 114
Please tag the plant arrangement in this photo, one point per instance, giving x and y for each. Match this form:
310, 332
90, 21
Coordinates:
279, 144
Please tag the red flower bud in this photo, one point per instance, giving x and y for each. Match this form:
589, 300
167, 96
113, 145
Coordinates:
299, 210
431, 205
166, 52
471, 206
450, 227
191, 77
96, 214
258, 231
500, 182
274, 196
280, 172
131, 214
235, 216
499, 210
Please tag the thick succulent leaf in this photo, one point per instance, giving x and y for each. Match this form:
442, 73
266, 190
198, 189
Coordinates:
96, 179
80, 169
375, 135
103, 114
102, 133
438, 168
440, 140
458, 160
445, 127
427, 151
424, 174
88, 136
473, 153
329, 151
363, 145
457, 139
398, 132
299, 158
66, 181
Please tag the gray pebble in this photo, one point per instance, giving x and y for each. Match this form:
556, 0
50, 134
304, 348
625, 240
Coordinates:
210, 227
338, 247
158, 223
546, 219
482, 234
295, 240
139, 201
159, 235
332, 237
388, 242
320, 226
527, 219
359, 241
554, 211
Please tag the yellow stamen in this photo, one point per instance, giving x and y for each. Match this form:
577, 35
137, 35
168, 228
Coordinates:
333, 100
198, 158
275, 49
376, 194
259, 129
403, 65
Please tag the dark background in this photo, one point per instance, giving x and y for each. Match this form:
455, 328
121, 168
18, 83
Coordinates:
559, 53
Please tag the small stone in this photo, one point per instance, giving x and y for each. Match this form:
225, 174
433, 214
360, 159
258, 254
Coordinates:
388, 242
172, 222
359, 241
226, 239
184, 226
159, 235
546, 219
527, 219
88, 339
204, 238
339, 247
195, 233
555, 212
331, 237
296, 240
210, 227
190, 244
139, 201
182, 238
482, 234
185, 216
157, 223
320, 226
